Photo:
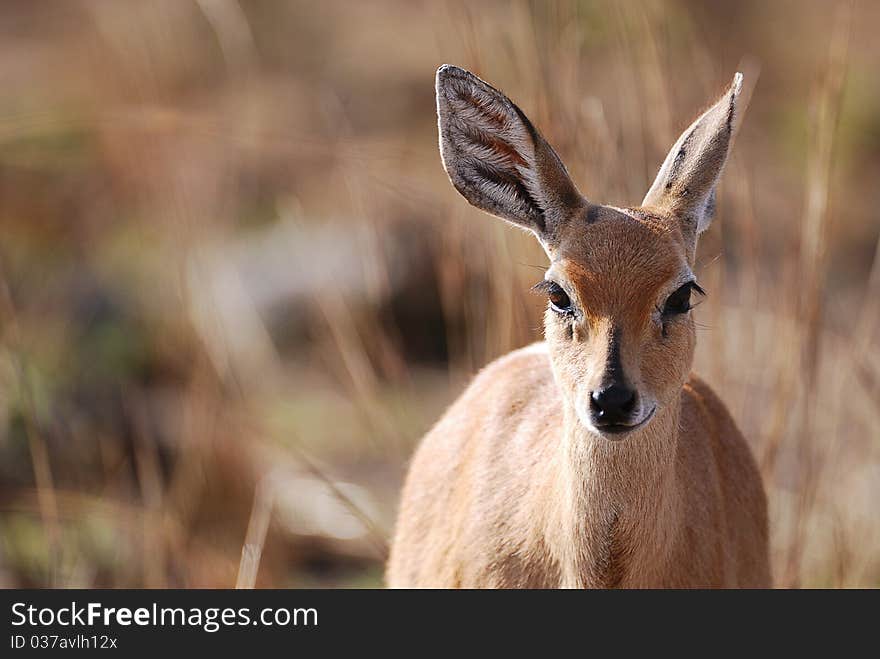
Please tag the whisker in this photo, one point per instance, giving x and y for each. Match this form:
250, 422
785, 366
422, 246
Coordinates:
702, 266
531, 265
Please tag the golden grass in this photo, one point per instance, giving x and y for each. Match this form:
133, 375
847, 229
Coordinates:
236, 286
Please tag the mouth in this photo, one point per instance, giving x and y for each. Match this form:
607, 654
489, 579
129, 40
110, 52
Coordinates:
622, 428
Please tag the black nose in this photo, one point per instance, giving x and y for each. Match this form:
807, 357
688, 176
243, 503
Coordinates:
612, 405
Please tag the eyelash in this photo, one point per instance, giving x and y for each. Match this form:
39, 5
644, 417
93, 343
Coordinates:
548, 287
665, 317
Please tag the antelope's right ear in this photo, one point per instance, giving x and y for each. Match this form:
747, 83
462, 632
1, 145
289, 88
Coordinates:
497, 160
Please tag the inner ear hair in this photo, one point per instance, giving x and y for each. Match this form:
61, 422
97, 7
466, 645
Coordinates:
496, 158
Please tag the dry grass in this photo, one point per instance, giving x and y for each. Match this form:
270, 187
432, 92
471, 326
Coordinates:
236, 287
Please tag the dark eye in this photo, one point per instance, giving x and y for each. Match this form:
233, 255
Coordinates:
680, 301
558, 298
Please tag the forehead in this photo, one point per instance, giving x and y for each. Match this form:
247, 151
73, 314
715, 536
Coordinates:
619, 257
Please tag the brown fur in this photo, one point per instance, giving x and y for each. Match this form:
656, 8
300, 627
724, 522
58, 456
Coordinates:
514, 487
542, 505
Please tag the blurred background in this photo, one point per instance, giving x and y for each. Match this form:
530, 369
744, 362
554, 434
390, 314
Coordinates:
236, 286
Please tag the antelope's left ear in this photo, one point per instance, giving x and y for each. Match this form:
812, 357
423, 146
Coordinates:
685, 185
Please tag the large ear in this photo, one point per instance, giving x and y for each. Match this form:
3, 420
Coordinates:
497, 160
685, 185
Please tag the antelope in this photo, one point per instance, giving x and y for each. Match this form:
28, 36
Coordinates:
593, 459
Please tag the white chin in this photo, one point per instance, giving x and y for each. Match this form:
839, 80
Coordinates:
585, 418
